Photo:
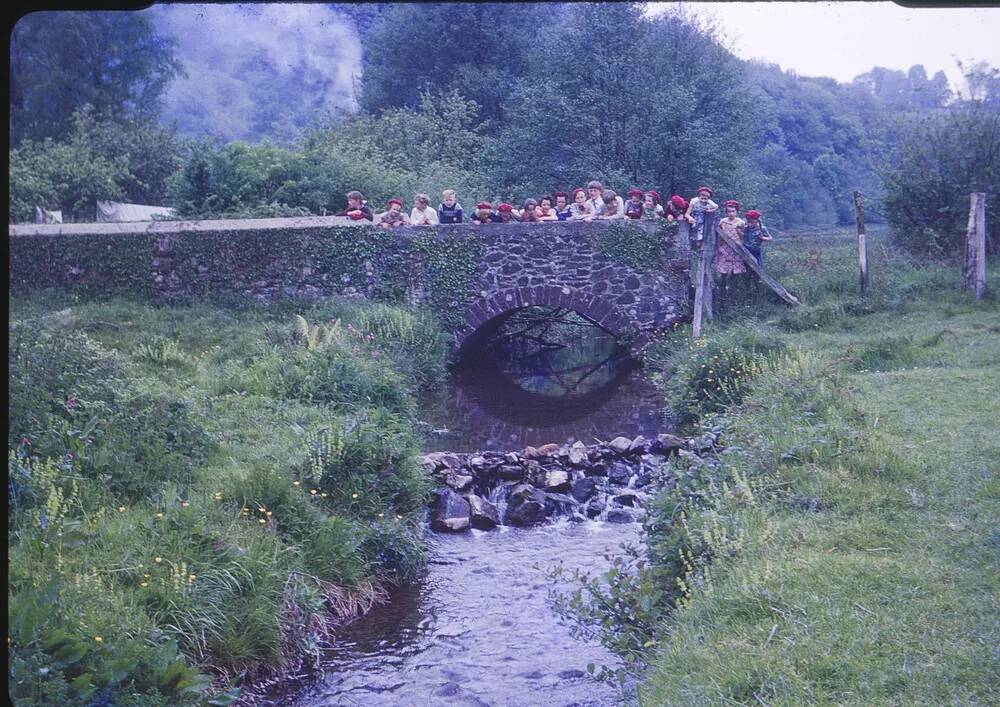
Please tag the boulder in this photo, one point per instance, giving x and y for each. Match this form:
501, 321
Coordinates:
428, 462
529, 452
628, 498
559, 503
510, 472
450, 461
666, 443
639, 445
525, 506
451, 512
584, 489
544, 451
578, 454
511, 458
477, 462
619, 473
557, 480
459, 482
595, 506
620, 445
619, 515
483, 515
596, 468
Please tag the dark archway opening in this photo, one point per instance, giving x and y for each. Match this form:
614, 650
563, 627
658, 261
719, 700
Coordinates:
540, 374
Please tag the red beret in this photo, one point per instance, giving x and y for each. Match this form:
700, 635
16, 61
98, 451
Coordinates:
708, 189
679, 201
733, 203
563, 194
395, 201
753, 213
655, 194
635, 192
577, 190
505, 207
484, 205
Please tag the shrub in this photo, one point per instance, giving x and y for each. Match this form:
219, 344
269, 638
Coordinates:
709, 375
367, 465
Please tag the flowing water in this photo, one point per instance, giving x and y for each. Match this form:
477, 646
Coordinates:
479, 628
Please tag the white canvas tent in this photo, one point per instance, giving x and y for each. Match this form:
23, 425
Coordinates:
113, 211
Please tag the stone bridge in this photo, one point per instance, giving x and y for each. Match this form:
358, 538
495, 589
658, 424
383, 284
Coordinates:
630, 278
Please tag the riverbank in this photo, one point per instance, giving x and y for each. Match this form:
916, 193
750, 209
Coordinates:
848, 549
195, 502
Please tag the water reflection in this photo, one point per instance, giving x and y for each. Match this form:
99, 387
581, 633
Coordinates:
541, 375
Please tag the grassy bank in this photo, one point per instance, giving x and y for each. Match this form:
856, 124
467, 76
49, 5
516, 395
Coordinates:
199, 494
859, 561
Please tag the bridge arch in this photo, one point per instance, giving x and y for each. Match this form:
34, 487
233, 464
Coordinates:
488, 313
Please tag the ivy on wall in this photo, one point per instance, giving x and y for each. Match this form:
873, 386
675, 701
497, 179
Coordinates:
635, 245
449, 264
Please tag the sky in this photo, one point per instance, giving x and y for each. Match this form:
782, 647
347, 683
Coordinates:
844, 39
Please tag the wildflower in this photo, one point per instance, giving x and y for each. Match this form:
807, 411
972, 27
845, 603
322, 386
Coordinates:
269, 514
98, 639
381, 515
313, 492
157, 559
159, 514
121, 509
25, 442
354, 495
399, 517
192, 577
217, 495
146, 575
295, 483
143, 584
71, 402
262, 520
324, 494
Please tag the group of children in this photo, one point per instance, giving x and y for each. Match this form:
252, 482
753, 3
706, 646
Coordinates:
594, 204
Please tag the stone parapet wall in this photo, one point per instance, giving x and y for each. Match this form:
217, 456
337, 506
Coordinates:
469, 274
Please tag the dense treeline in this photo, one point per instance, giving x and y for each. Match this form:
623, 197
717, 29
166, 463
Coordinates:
509, 101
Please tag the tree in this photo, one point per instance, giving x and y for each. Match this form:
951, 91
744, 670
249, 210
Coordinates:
945, 155
59, 61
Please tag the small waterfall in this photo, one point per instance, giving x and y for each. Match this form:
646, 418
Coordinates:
498, 497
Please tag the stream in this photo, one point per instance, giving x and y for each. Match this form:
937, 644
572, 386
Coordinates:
479, 628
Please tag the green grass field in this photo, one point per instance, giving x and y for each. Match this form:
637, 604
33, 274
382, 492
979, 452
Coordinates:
869, 571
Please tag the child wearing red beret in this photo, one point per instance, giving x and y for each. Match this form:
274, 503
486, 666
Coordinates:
755, 234
676, 208
483, 213
505, 213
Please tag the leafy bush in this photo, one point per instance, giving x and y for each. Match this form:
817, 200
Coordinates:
711, 374
413, 341
945, 156
367, 465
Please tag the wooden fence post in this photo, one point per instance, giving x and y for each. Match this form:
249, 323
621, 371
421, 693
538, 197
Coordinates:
859, 214
703, 286
974, 270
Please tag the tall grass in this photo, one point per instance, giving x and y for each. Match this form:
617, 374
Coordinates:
161, 476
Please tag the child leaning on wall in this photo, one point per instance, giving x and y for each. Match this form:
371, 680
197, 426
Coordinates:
394, 217
422, 214
356, 208
450, 211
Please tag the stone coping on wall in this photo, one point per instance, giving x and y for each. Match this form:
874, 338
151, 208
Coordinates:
262, 224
